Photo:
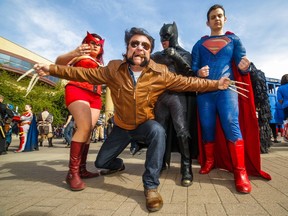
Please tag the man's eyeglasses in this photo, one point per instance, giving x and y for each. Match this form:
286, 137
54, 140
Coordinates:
136, 43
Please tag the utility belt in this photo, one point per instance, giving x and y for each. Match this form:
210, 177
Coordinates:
2, 132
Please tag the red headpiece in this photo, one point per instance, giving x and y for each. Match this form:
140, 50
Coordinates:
90, 38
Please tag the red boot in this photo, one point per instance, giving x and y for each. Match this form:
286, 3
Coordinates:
23, 138
242, 182
286, 132
209, 163
73, 177
83, 171
282, 132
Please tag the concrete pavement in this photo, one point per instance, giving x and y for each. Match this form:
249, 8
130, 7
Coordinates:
32, 184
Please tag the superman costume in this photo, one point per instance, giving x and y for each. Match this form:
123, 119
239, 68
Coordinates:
228, 140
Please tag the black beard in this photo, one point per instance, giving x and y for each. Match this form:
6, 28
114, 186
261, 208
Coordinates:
143, 64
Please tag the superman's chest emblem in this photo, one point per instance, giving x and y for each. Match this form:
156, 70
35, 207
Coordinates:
214, 45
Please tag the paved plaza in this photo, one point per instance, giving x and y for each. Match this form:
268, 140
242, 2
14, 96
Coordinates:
32, 184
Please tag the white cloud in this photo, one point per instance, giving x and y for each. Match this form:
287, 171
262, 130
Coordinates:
50, 27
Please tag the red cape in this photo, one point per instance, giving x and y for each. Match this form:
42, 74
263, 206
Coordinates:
250, 132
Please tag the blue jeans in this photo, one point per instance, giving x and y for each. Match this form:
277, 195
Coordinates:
152, 134
68, 132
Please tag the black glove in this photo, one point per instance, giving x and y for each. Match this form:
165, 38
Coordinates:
182, 65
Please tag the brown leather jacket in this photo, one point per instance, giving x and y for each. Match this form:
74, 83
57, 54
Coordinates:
133, 105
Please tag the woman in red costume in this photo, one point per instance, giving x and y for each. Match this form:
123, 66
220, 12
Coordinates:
83, 100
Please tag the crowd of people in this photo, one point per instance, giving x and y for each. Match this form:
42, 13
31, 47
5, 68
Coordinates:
172, 100
31, 130
35, 130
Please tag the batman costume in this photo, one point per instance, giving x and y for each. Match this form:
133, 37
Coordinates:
175, 111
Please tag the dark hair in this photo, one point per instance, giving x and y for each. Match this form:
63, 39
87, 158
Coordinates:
284, 79
138, 31
214, 7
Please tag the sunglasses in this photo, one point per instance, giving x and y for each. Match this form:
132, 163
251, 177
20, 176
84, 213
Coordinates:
136, 43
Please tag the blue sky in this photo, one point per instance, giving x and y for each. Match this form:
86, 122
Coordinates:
53, 27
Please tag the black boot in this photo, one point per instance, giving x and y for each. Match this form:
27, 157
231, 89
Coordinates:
2, 146
50, 142
186, 169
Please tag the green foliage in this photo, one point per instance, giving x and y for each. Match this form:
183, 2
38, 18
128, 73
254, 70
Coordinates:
42, 96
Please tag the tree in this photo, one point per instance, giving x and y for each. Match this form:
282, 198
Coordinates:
42, 96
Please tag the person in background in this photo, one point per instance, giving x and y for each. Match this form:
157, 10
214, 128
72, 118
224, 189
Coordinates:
68, 129
223, 55
135, 83
99, 130
282, 96
45, 128
5, 113
109, 124
10, 124
277, 121
280, 129
24, 123
274, 132
83, 101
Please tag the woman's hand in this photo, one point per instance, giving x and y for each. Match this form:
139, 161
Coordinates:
83, 49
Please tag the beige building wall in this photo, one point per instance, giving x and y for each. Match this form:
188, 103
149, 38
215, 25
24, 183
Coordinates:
11, 49
8, 46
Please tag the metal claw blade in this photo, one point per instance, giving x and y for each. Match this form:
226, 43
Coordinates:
239, 87
237, 92
233, 82
32, 83
25, 74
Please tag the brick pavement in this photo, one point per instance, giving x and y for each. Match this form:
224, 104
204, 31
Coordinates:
32, 184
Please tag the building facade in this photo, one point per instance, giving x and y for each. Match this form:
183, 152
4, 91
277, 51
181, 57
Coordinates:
17, 59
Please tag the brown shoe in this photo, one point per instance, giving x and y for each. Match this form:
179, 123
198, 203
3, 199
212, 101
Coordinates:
154, 200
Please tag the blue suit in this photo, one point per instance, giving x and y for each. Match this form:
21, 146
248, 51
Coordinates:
218, 52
